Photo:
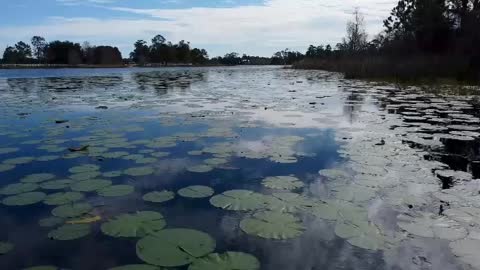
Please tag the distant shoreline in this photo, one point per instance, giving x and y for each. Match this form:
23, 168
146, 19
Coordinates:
54, 66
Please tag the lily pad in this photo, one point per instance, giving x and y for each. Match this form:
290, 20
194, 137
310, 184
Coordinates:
56, 184
112, 174
136, 267
84, 168
200, 168
37, 178
50, 221
226, 261
139, 171
6, 167
24, 199
196, 192
85, 175
429, 225
116, 191
42, 267
5, 247
282, 182
90, 185
272, 225
178, 247
71, 210
70, 232
239, 200
8, 150
159, 196
360, 234
18, 188
19, 160
63, 198
134, 225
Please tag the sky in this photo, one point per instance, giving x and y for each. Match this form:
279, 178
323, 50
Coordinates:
254, 27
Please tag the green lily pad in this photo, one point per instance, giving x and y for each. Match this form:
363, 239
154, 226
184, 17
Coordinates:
178, 247
18, 160
70, 232
63, 198
84, 168
289, 202
6, 167
47, 158
112, 174
360, 234
37, 178
239, 200
283, 182
85, 175
136, 267
272, 225
139, 171
71, 210
5, 247
8, 150
160, 154
215, 161
50, 221
42, 267
117, 154
116, 191
196, 192
56, 184
134, 225
159, 196
24, 199
18, 188
146, 160
90, 185
200, 168
226, 261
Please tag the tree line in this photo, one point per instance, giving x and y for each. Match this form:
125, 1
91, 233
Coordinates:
39, 51
421, 38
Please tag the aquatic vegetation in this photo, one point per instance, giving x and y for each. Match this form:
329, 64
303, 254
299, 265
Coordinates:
139, 171
90, 185
84, 168
466, 250
430, 226
63, 198
84, 220
5, 247
272, 225
282, 182
42, 267
18, 188
18, 160
226, 261
84, 175
72, 210
159, 196
24, 199
70, 232
136, 267
200, 168
116, 191
196, 192
180, 247
139, 224
56, 184
239, 200
50, 221
37, 178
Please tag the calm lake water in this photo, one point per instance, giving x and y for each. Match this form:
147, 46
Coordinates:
326, 173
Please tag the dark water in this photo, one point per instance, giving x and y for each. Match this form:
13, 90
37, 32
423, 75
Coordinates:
248, 115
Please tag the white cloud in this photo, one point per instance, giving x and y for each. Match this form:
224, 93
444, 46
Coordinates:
252, 29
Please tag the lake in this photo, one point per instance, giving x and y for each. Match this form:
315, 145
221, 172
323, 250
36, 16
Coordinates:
234, 168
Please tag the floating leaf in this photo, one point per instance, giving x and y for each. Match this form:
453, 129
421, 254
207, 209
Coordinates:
50, 221
24, 199
84, 168
200, 168
360, 233
179, 247
134, 225
42, 267
136, 267
63, 198
19, 160
71, 210
467, 251
282, 182
159, 196
226, 261
85, 220
429, 225
272, 225
8, 150
196, 192
85, 175
90, 185
5, 247
6, 167
18, 188
112, 174
116, 191
139, 171
70, 232
215, 161
289, 202
239, 200
56, 184
37, 178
